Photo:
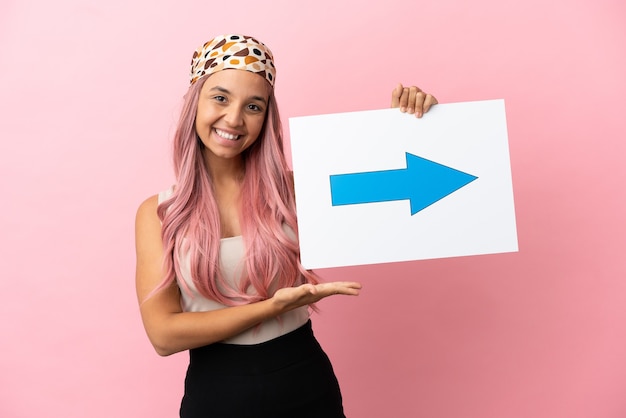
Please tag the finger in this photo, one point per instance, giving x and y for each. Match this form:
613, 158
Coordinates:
413, 91
395, 95
344, 288
419, 104
429, 102
404, 99
350, 291
342, 284
354, 285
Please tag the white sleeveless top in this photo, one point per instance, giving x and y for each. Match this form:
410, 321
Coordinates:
230, 258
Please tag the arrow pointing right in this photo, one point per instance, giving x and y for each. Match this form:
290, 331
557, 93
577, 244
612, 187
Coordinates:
423, 182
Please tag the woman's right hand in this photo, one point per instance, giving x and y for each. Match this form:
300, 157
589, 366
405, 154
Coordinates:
289, 298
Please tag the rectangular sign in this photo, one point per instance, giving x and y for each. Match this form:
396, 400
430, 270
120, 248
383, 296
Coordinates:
383, 186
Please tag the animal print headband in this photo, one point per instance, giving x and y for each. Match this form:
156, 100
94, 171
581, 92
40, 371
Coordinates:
233, 51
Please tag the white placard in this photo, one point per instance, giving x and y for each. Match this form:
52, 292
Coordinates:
347, 217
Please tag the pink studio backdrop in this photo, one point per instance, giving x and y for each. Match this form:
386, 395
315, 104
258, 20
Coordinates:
89, 95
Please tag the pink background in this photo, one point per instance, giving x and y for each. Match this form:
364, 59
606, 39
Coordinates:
89, 95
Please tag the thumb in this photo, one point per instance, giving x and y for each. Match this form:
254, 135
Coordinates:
309, 288
396, 94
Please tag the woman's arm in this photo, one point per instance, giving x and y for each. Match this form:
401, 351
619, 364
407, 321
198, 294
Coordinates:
412, 100
171, 330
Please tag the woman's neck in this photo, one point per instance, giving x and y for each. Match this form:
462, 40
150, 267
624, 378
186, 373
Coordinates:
225, 170
227, 176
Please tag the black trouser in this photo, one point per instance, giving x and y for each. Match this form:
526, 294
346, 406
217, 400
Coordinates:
289, 376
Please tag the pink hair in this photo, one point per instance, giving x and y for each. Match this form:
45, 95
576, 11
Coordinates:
191, 222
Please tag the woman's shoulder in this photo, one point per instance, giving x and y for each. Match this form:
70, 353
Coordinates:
148, 208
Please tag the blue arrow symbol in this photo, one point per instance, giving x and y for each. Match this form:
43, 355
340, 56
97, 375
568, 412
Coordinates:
423, 182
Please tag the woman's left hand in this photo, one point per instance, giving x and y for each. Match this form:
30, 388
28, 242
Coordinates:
412, 100
289, 298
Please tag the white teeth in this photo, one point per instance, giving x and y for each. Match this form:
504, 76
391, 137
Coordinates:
226, 135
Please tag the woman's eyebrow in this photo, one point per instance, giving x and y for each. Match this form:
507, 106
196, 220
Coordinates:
220, 89
226, 91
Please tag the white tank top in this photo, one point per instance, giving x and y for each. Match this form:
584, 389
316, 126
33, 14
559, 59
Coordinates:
230, 258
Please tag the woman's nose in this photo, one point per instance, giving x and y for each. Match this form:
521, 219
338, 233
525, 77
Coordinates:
234, 116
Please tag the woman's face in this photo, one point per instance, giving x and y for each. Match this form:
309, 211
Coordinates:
231, 110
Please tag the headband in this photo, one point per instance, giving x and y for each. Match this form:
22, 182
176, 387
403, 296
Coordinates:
239, 52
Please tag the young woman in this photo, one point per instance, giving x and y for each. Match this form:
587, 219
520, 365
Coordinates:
218, 269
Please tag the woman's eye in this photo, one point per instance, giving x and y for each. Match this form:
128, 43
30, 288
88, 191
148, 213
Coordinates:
220, 98
254, 107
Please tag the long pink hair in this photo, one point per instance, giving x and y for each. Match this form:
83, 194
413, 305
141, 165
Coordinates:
191, 222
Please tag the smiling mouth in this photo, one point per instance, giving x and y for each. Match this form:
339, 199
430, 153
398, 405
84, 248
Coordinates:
226, 135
